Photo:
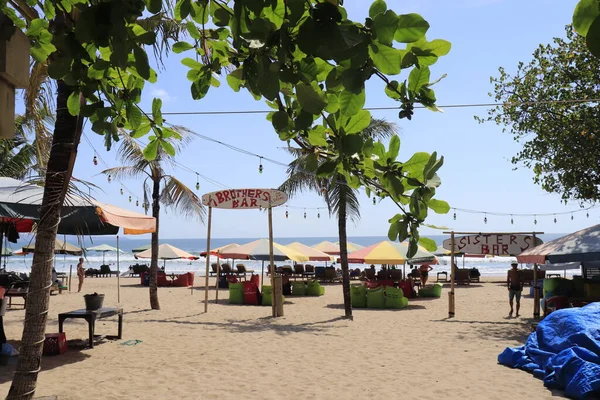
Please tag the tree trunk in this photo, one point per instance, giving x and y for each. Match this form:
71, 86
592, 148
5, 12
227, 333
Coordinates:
342, 219
154, 260
67, 133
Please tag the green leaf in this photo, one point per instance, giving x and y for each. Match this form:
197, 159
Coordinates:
182, 9
281, 121
392, 89
312, 162
41, 51
378, 7
414, 166
327, 168
141, 62
57, 69
439, 206
134, 115
438, 47
352, 144
394, 148
385, 58
418, 78
154, 6
49, 10
180, 47
385, 27
586, 12
402, 230
36, 27
156, 111
413, 246
393, 232
141, 131
317, 136
411, 27
394, 185
191, 63
309, 99
429, 244
193, 30
592, 38
275, 13
357, 123
73, 103
151, 150
200, 12
167, 147
351, 103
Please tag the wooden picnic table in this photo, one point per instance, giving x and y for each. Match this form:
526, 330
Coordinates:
91, 316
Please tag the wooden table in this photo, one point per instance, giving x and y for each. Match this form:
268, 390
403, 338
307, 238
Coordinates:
10, 293
91, 316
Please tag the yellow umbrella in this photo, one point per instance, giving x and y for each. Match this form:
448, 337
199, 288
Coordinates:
387, 252
312, 253
328, 247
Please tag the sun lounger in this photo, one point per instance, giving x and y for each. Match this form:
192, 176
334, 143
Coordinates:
462, 276
298, 271
242, 271
309, 271
331, 275
213, 269
319, 272
226, 269
395, 275
105, 271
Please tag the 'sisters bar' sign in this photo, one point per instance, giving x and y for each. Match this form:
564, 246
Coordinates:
494, 244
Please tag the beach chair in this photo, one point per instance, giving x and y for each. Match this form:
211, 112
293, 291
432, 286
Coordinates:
330, 275
213, 269
105, 271
370, 274
226, 269
319, 273
286, 270
298, 271
309, 271
242, 271
395, 275
462, 276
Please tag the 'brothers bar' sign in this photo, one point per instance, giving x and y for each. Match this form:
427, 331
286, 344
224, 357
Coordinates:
494, 244
243, 199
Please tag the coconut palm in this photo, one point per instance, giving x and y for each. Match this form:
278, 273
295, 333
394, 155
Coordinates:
159, 186
342, 201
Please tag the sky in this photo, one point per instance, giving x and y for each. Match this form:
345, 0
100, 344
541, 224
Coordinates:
477, 173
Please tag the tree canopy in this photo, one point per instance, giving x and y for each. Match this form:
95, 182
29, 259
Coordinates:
542, 109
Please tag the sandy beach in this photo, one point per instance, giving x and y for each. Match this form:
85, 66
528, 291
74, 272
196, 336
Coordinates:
240, 352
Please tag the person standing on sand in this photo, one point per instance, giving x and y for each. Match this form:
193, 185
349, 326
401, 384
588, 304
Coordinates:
424, 269
80, 273
514, 281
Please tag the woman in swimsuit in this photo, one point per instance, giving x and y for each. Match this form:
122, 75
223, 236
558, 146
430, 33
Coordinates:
424, 270
80, 273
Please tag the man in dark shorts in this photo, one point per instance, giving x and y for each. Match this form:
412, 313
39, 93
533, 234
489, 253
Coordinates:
514, 280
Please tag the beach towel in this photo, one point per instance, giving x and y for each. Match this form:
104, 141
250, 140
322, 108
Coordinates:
564, 351
358, 294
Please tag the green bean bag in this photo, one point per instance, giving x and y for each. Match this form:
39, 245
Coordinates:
267, 294
557, 287
394, 298
358, 294
314, 288
298, 288
434, 290
376, 298
236, 293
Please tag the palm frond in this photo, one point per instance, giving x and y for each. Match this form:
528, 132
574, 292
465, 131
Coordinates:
177, 196
125, 172
299, 179
167, 30
339, 191
380, 129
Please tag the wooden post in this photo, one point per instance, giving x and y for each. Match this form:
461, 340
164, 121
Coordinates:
218, 276
207, 260
536, 292
118, 273
70, 273
452, 273
278, 290
274, 295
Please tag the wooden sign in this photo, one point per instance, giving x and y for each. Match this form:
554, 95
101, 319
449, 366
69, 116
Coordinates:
494, 244
243, 199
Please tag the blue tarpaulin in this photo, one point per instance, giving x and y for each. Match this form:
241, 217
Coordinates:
564, 351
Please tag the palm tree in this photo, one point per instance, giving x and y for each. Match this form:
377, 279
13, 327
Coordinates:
340, 198
165, 189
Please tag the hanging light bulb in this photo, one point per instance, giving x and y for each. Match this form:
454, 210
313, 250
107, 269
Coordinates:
305, 213
587, 214
121, 190
197, 185
554, 218
95, 160
197, 181
535, 219
454, 215
260, 167
137, 203
286, 214
571, 216
130, 199
512, 221
318, 214
109, 178
485, 219
374, 200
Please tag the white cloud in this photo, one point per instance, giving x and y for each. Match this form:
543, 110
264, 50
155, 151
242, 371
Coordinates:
162, 94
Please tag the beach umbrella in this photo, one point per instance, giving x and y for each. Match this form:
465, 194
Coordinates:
223, 249
20, 204
312, 253
141, 248
167, 252
104, 248
259, 250
352, 246
387, 252
60, 247
328, 247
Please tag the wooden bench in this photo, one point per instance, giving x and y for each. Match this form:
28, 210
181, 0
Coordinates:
91, 316
10, 293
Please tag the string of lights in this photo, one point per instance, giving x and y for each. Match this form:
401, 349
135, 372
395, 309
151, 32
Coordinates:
466, 105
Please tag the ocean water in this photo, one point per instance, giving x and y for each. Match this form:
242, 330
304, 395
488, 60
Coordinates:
487, 266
